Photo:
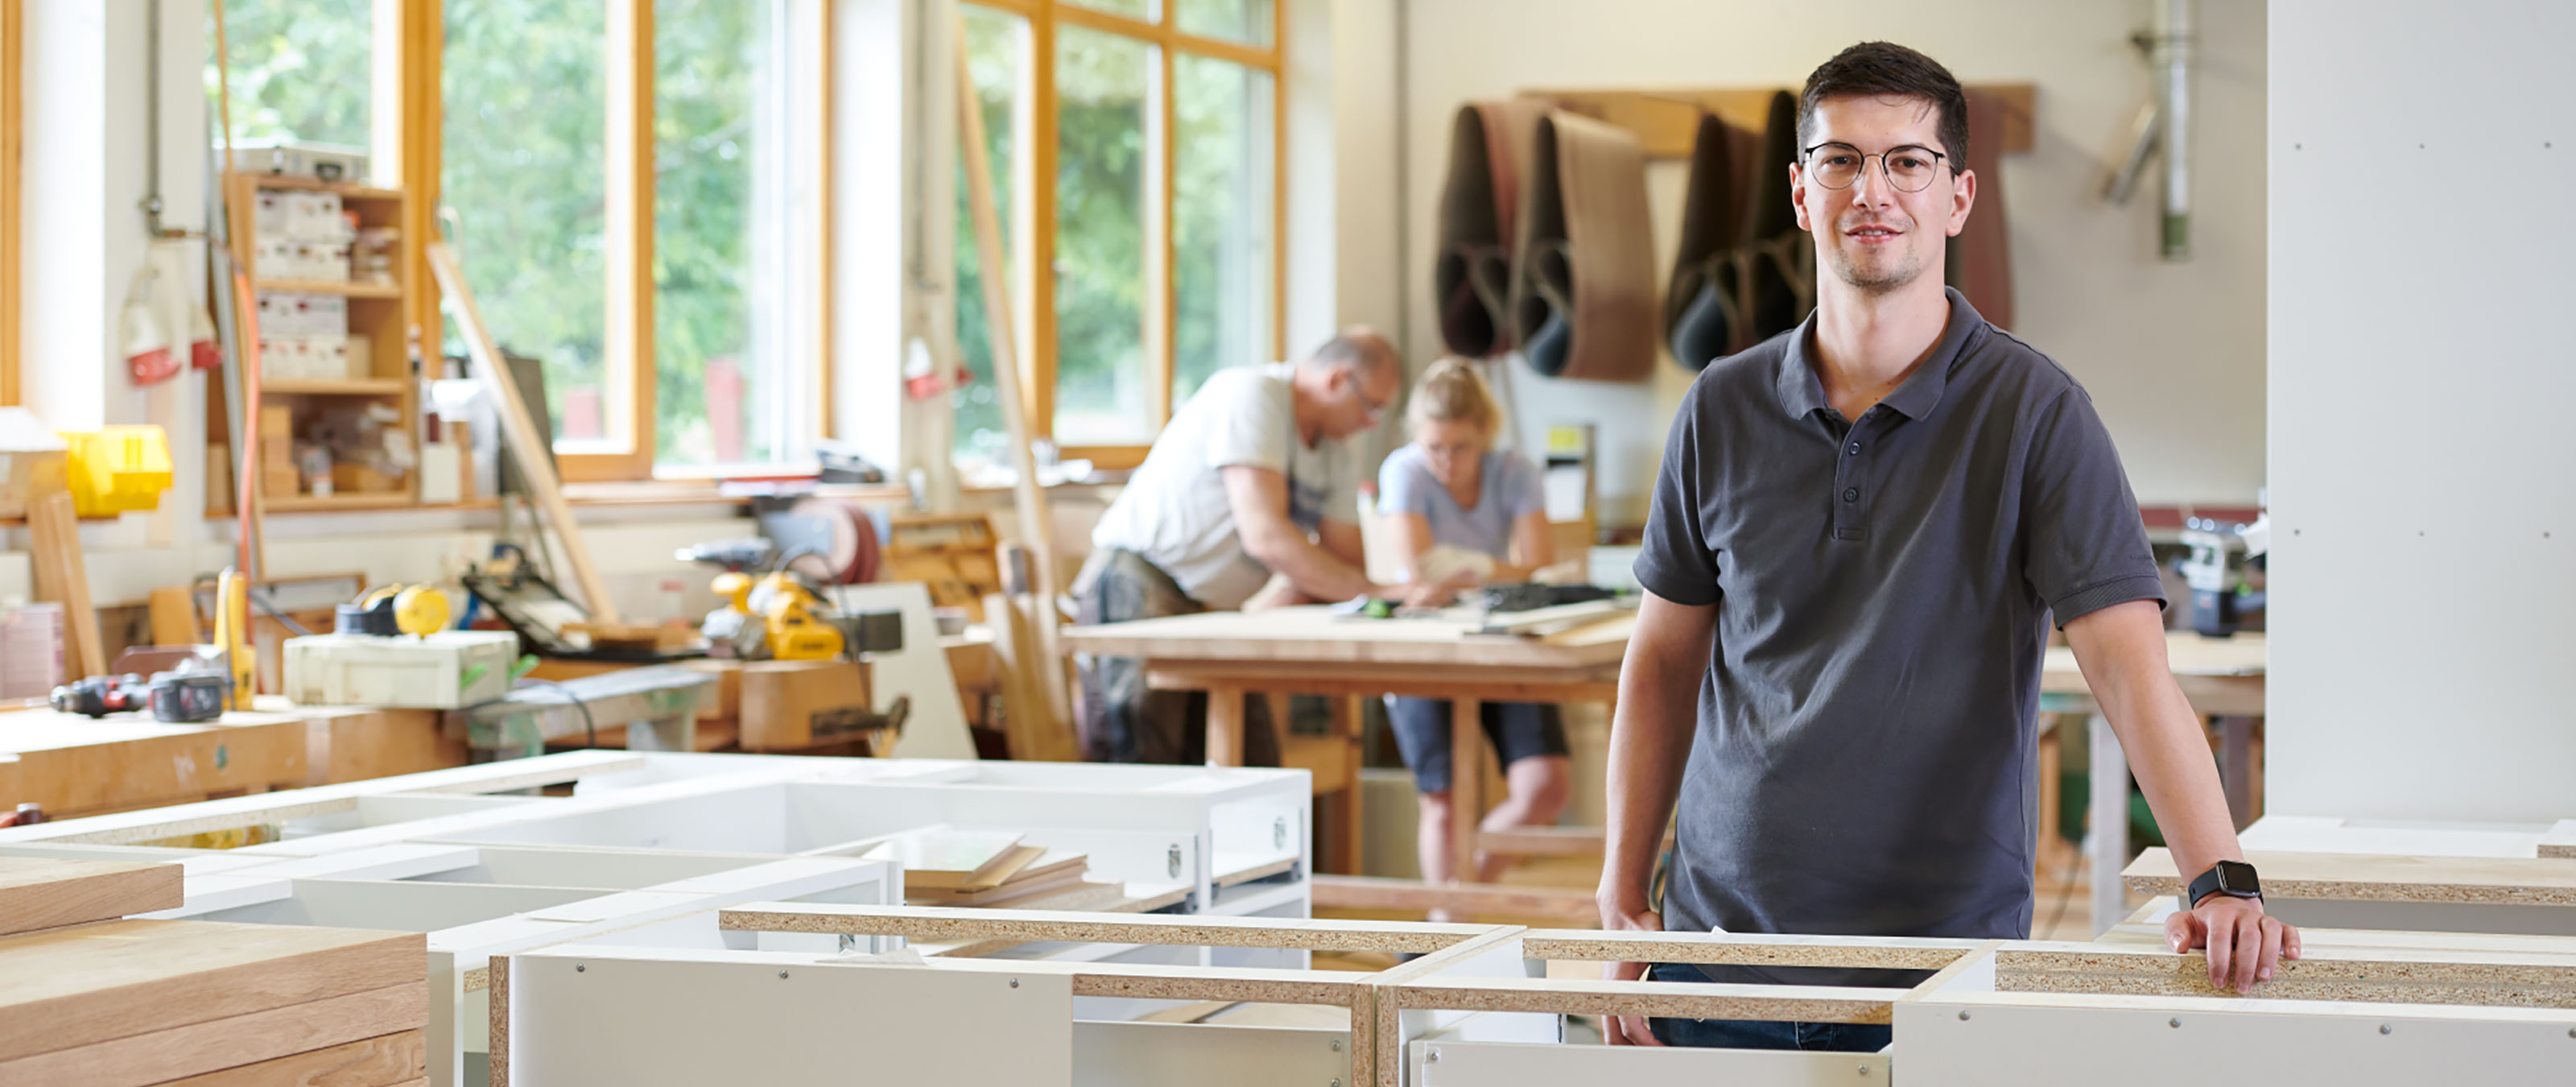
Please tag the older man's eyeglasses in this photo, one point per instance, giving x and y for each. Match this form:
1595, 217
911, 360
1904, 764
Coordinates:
1910, 168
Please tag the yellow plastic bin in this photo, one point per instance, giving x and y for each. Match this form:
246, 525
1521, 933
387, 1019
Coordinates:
118, 468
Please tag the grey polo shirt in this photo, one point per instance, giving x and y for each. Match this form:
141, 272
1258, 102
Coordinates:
1864, 761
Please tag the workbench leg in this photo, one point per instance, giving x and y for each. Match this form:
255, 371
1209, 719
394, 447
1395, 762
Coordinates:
1466, 785
1225, 726
666, 734
2236, 769
2047, 850
2107, 843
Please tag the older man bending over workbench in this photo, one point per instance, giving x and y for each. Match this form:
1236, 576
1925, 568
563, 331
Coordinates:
1254, 476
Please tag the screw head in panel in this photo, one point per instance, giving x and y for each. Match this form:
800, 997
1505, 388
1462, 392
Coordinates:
579, 968
1434, 1058
1337, 1043
1015, 983
2386, 1029
782, 975
1963, 1015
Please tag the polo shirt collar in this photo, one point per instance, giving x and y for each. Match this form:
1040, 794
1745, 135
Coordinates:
1802, 393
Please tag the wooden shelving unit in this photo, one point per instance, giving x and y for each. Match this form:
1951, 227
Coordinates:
377, 313
352, 387
349, 289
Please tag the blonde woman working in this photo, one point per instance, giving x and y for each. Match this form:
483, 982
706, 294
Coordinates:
1450, 501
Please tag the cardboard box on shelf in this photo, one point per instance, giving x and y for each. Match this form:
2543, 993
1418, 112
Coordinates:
275, 421
348, 477
279, 482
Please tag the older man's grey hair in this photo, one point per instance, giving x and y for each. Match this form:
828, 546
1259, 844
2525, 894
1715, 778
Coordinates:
1358, 349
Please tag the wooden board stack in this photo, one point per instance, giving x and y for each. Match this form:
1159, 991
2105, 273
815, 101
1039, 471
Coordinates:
944, 867
92, 996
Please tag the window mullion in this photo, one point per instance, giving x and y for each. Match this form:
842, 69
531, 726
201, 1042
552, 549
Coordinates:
630, 230
1039, 372
1279, 179
1162, 310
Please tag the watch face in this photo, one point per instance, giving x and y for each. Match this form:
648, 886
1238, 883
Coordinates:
2237, 879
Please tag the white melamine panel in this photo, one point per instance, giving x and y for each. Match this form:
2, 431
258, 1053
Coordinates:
2250, 1041
401, 906
1512, 1064
619, 1021
1191, 1055
2424, 518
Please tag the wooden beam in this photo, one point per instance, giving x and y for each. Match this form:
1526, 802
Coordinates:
533, 450
1372, 893
2360, 877
39, 893
61, 575
1666, 121
1028, 499
12, 144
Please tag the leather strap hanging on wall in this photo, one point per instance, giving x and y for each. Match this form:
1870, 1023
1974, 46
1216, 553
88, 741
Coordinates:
1780, 273
1479, 203
1703, 310
1980, 257
1583, 298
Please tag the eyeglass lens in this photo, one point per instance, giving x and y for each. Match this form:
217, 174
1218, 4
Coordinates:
1909, 169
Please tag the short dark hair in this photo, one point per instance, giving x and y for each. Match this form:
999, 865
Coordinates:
1889, 70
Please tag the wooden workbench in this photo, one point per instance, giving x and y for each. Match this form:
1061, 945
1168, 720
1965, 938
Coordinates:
76, 765
2223, 678
1310, 650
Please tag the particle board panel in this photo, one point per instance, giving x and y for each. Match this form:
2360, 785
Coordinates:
2389, 975
40, 893
2560, 840
73, 764
140, 1060
89, 984
2501, 881
387, 1060
1135, 1054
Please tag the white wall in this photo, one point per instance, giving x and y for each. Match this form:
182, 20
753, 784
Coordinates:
84, 176
2173, 353
2422, 505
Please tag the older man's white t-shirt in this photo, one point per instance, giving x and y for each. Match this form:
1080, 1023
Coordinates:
1174, 512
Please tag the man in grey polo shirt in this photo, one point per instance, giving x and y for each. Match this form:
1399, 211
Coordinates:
1859, 534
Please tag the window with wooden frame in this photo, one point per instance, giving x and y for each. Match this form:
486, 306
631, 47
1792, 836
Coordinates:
11, 115
635, 189
1157, 128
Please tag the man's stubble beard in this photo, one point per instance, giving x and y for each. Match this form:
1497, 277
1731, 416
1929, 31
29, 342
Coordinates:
1903, 271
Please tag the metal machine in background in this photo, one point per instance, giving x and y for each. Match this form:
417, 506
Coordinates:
2222, 595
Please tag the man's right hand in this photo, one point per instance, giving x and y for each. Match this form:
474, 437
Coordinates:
1627, 1029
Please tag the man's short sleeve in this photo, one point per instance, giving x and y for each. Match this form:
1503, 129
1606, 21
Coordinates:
2088, 546
1403, 483
1522, 492
1675, 562
1252, 425
1342, 495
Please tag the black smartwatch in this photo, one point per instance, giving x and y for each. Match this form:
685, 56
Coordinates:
2232, 878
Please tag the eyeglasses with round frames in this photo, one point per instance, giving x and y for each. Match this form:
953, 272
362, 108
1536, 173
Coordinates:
1910, 168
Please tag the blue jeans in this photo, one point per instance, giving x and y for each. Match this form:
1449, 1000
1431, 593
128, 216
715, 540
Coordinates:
1761, 1034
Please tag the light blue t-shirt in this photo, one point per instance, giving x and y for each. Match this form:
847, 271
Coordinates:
1510, 491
